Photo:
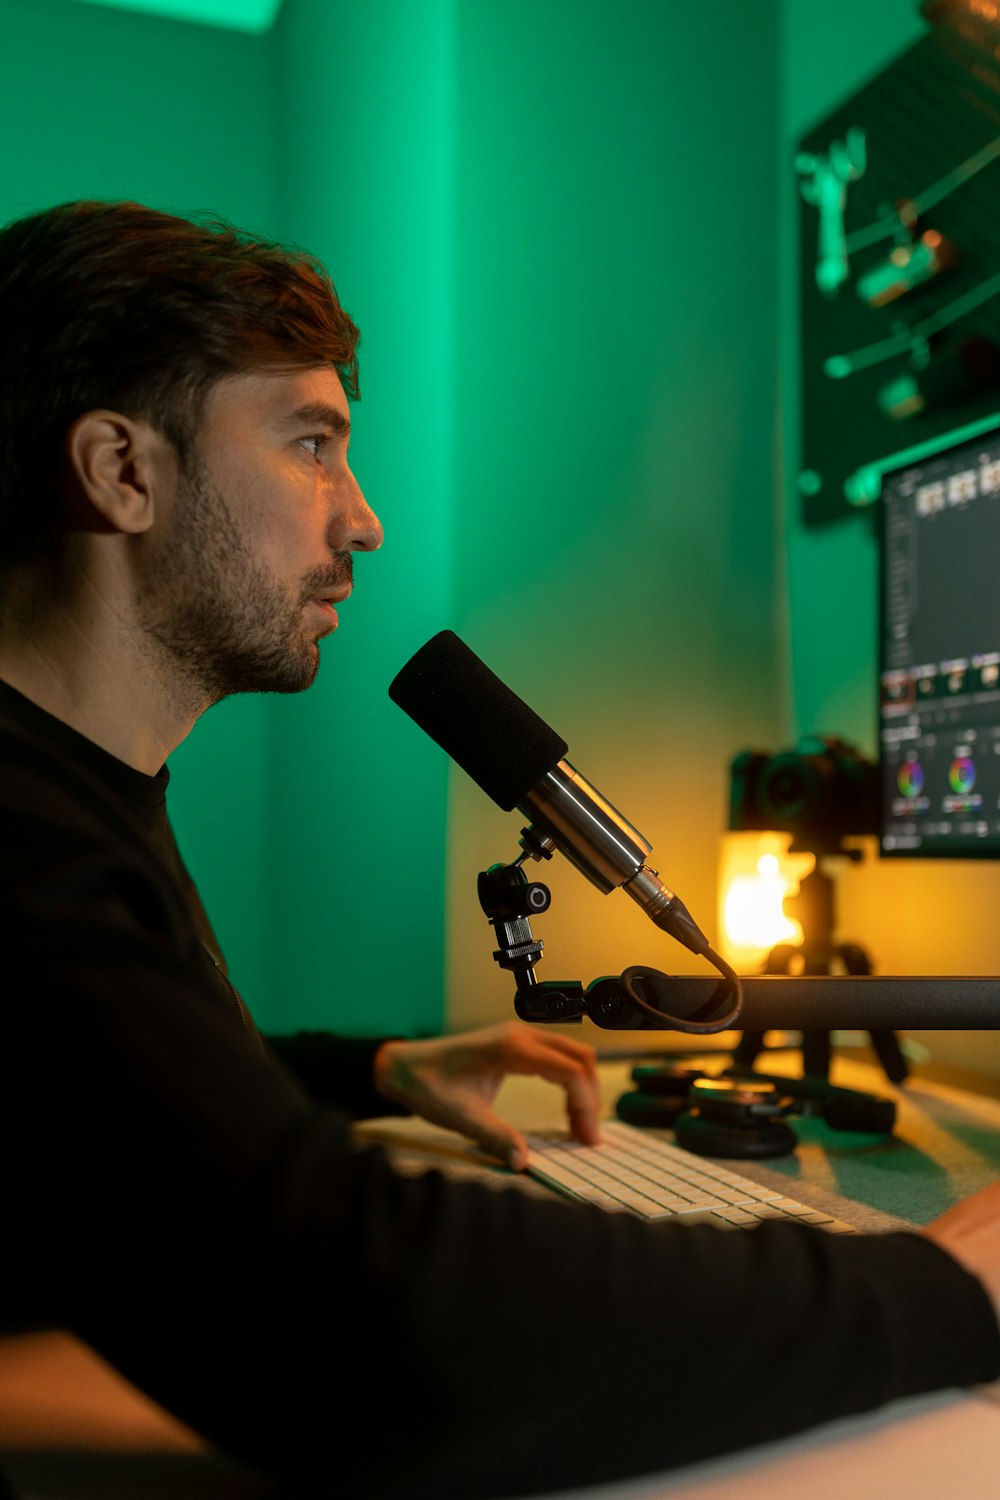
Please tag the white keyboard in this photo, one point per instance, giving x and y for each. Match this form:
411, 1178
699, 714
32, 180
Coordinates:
644, 1175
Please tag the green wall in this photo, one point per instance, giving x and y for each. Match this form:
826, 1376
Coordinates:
557, 228
560, 242
366, 132
617, 373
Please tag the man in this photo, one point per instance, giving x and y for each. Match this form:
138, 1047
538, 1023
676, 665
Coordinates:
178, 523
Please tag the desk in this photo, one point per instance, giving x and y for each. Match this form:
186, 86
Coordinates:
84, 1432
945, 1146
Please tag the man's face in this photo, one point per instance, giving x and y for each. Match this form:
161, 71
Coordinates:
239, 580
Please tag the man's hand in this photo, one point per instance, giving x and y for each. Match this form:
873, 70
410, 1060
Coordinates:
971, 1233
454, 1081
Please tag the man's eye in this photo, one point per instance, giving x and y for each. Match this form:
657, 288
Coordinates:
315, 444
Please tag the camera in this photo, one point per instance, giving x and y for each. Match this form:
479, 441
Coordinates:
820, 792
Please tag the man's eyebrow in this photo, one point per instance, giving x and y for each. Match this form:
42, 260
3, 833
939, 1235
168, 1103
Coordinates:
319, 414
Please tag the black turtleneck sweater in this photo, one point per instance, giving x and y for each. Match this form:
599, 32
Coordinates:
175, 1196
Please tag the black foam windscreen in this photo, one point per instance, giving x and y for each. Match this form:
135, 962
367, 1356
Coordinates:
492, 734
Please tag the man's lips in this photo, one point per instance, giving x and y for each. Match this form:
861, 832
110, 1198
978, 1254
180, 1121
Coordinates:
329, 597
325, 604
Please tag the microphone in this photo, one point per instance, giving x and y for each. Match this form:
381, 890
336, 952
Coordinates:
520, 763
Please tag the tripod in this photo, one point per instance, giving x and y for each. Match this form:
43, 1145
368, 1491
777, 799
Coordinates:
814, 907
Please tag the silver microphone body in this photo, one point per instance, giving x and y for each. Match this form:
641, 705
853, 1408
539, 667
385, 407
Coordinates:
504, 746
594, 836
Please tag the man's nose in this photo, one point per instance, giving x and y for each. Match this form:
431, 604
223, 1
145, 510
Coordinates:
358, 528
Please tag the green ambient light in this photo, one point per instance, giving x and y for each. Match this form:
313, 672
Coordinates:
238, 15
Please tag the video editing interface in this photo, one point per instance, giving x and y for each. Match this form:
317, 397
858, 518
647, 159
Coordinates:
939, 725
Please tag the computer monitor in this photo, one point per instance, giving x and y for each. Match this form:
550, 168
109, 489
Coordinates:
939, 723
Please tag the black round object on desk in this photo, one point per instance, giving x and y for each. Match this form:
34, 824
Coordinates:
671, 1079
658, 1111
660, 1094
733, 1118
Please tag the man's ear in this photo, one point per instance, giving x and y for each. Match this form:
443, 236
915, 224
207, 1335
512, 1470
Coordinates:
113, 465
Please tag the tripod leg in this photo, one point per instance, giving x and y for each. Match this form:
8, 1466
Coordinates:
886, 1043
890, 1055
817, 1049
749, 1048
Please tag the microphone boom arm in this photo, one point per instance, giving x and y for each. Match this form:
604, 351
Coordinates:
771, 1002
625, 1003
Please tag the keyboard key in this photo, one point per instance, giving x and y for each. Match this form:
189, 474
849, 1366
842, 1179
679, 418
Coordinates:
735, 1216
647, 1209
699, 1204
733, 1195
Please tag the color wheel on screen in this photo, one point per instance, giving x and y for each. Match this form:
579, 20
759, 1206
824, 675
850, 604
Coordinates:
961, 774
910, 779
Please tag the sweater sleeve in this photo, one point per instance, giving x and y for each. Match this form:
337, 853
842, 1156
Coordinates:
336, 1070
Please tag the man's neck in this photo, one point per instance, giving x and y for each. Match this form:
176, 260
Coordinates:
89, 666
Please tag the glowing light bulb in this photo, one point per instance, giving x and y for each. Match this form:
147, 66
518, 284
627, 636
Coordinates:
758, 873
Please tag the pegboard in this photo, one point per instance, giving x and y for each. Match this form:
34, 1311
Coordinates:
908, 168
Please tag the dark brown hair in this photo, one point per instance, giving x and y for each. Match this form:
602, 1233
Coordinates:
119, 306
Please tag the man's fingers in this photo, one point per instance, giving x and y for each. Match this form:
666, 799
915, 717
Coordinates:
563, 1061
496, 1136
454, 1081
521, 1043
583, 1106
515, 1154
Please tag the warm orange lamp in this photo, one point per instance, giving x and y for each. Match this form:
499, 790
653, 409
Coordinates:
756, 873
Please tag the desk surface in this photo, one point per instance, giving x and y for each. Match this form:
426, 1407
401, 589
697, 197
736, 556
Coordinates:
58, 1400
946, 1145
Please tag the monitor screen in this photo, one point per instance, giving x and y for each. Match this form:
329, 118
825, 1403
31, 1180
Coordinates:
939, 722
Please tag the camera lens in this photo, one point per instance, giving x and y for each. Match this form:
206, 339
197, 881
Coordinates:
788, 788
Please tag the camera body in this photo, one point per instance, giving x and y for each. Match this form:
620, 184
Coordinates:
820, 792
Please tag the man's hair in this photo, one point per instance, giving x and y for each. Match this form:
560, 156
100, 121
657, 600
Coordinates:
113, 305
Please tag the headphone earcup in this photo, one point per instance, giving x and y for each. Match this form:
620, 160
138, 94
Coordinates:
669, 1079
755, 1141
640, 1108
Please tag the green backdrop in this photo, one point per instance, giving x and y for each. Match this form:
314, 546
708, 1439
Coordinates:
562, 230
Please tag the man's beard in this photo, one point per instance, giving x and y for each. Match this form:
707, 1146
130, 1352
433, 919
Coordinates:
227, 624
